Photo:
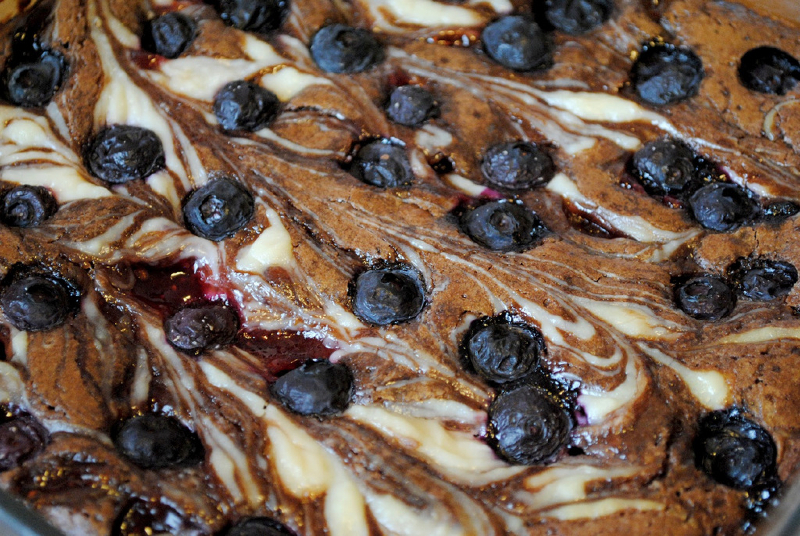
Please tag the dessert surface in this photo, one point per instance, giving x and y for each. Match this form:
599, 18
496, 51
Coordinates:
399, 266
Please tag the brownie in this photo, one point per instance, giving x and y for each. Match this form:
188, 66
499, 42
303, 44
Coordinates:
399, 267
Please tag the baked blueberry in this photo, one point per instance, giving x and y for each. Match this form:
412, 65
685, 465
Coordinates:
762, 279
260, 526
149, 517
339, 48
517, 165
242, 105
666, 74
503, 226
153, 441
705, 297
257, 16
219, 209
769, 70
27, 206
411, 105
382, 164
502, 350
577, 17
168, 35
780, 210
665, 167
196, 328
388, 295
517, 43
528, 425
32, 79
21, 438
122, 153
315, 388
37, 301
722, 207
733, 450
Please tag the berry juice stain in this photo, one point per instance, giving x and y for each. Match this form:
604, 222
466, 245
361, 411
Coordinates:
282, 351
172, 287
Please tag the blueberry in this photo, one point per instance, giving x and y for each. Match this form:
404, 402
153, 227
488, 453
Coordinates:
733, 450
257, 16
382, 164
517, 43
666, 167
502, 350
196, 328
168, 35
343, 49
517, 165
705, 297
122, 153
666, 74
769, 70
219, 209
780, 210
37, 301
528, 425
153, 441
411, 105
389, 295
722, 206
315, 388
27, 206
148, 518
577, 17
242, 105
260, 526
32, 80
503, 226
21, 438
762, 279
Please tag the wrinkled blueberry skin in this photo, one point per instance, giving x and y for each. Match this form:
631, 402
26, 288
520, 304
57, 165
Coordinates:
37, 301
503, 226
762, 279
260, 526
411, 105
153, 441
528, 425
196, 328
666, 74
705, 297
577, 17
315, 388
168, 35
257, 16
722, 207
123, 153
517, 165
517, 43
666, 167
389, 295
32, 79
769, 70
242, 105
218, 210
27, 206
382, 164
342, 49
502, 350
21, 438
780, 210
733, 450
146, 518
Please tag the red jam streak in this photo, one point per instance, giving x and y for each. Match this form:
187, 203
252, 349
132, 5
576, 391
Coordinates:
168, 288
282, 351
146, 60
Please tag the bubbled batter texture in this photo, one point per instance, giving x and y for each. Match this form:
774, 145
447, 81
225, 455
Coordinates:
410, 453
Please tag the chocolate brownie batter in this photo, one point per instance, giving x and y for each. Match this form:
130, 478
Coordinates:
399, 266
